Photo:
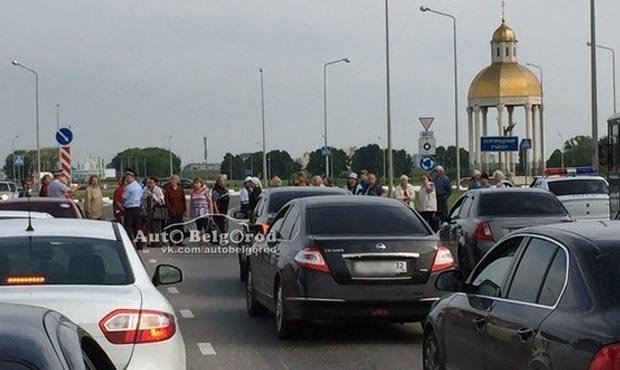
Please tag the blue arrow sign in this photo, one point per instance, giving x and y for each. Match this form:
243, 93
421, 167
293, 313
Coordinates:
428, 163
64, 136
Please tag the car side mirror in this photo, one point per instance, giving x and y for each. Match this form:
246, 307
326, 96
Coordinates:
450, 281
240, 215
166, 275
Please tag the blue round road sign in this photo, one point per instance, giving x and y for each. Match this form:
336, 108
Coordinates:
428, 163
64, 136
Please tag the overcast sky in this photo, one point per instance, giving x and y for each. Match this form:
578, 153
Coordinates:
132, 73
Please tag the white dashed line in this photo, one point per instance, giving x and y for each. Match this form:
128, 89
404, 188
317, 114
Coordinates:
146, 251
206, 349
173, 290
187, 314
153, 260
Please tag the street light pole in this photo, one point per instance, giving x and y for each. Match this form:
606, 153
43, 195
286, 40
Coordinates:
345, 60
594, 92
613, 67
456, 90
36, 79
561, 149
262, 102
13, 155
170, 153
388, 102
383, 150
542, 108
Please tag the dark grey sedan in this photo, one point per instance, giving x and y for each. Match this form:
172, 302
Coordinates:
481, 217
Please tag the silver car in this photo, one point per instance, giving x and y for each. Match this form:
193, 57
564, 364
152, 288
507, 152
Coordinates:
8, 190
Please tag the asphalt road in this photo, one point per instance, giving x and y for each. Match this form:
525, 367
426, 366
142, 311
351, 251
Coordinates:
219, 334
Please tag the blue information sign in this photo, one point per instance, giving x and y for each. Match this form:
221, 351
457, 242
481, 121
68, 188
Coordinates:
526, 144
499, 143
428, 163
64, 136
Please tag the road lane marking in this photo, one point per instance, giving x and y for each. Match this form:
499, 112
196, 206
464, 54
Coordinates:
153, 260
146, 251
187, 314
173, 290
206, 349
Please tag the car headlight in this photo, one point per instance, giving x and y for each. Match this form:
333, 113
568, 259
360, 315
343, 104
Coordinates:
4, 197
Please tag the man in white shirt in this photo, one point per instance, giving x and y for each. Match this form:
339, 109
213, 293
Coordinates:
58, 188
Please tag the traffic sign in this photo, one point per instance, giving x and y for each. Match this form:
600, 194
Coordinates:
426, 146
426, 122
526, 143
19, 160
499, 144
427, 163
64, 136
427, 134
325, 152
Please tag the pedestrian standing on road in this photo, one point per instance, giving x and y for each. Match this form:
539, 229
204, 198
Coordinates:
405, 191
58, 188
275, 182
93, 202
201, 206
174, 197
244, 194
257, 189
373, 188
317, 181
26, 187
45, 183
154, 210
221, 199
427, 201
132, 200
443, 190
498, 179
352, 184
301, 179
117, 200
475, 182
484, 181
363, 181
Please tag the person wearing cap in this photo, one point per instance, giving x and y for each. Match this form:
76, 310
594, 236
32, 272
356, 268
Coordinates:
352, 184
405, 191
475, 182
443, 190
244, 194
132, 201
58, 188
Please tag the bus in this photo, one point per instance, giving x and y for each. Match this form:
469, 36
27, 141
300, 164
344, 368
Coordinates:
610, 156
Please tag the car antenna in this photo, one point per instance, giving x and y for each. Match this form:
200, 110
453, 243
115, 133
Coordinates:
29, 228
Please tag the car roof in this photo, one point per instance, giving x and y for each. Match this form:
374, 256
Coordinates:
346, 200
305, 189
570, 178
508, 190
24, 214
603, 234
38, 200
56, 227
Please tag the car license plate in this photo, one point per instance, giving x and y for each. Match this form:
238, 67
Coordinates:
379, 268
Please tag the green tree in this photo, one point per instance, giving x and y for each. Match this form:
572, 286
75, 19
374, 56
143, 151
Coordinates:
147, 162
370, 158
339, 162
281, 164
49, 161
403, 163
235, 164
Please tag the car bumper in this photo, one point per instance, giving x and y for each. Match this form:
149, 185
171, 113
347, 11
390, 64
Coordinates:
169, 355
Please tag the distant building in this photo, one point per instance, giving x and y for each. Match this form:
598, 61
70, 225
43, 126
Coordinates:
192, 167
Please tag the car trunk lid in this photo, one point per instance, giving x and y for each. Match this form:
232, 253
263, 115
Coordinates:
502, 226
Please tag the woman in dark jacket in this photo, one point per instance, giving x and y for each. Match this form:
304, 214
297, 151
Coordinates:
176, 203
221, 199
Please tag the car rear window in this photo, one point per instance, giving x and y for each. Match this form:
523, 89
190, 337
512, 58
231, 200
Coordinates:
578, 186
56, 209
364, 220
278, 200
61, 261
520, 204
606, 270
4, 187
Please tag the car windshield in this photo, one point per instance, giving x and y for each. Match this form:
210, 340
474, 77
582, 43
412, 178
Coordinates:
62, 261
4, 187
520, 204
578, 186
364, 220
278, 200
56, 209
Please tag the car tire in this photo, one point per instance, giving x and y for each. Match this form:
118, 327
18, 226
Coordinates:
253, 306
243, 269
285, 328
432, 359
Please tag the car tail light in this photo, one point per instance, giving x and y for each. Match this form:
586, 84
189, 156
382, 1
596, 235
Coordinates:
137, 326
483, 232
312, 259
607, 358
443, 259
264, 228
25, 280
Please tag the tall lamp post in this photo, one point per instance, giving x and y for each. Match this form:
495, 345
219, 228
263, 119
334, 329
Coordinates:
594, 92
613, 67
36, 79
542, 108
561, 149
13, 155
262, 103
170, 153
425, 9
388, 102
383, 150
345, 60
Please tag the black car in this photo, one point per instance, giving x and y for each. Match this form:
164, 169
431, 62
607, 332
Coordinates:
543, 298
57, 207
335, 258
270, 202
35, 338
480, 218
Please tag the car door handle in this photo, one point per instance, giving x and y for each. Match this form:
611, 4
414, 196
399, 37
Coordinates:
525, 334
479, 322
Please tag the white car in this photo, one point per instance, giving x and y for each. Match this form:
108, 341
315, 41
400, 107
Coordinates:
585, 197
23, 214
90, 272
8, 190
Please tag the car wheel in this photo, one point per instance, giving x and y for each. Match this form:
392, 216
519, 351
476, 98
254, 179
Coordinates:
284, 326
432, 358
254, 308
243, 269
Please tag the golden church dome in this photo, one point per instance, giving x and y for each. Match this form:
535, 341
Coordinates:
504, 34
505, 80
